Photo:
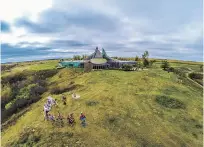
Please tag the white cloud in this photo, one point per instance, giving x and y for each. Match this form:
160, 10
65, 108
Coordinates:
12, 9
15, 38
135, 22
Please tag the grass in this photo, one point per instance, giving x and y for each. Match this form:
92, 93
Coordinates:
170, 102
121, 109
39, 65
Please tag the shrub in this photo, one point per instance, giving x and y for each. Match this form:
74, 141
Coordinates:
6, 95
199, 126
170, 102
139, 64
165, 64
28, 138
76, 57
146, 62
7, 67
25, 96
43, 74
61, 88
171, 69
151, 62
180, 72
13, 78
127, 67
196, 75
137, 58
8, 105
24, 93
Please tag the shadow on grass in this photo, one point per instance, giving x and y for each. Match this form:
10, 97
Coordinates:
92, 103
169, 102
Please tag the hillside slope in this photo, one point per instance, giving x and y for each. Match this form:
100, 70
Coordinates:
142, 108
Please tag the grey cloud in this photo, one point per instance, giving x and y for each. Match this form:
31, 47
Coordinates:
57, 21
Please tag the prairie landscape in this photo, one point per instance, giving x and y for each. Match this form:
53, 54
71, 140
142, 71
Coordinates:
150, 107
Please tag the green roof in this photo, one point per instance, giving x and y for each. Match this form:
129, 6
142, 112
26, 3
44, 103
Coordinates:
98, 60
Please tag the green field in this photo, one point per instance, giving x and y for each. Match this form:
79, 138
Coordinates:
146, 108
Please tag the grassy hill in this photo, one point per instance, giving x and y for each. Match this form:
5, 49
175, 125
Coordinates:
138, 108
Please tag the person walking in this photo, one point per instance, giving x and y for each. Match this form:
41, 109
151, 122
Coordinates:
71, 119
46, 110
83, 120
64, 99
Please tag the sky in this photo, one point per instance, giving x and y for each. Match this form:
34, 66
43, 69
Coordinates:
35, 29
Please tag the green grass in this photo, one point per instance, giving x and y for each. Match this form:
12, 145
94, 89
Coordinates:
121, 107
38, 65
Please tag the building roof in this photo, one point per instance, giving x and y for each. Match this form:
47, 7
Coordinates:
98, 60
72, 61
96, 54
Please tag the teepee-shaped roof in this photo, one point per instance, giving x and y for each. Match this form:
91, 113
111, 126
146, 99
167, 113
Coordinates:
96, 54
105, 55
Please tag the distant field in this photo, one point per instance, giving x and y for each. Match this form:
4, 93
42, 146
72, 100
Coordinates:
137, 108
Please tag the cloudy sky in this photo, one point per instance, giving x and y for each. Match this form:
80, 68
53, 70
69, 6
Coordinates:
42, 29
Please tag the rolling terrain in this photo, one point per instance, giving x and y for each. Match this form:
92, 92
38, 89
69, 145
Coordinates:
146, 108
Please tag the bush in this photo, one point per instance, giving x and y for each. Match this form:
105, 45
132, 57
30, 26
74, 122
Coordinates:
6, 95
151, 62
61, 88
13, 78
180, 72
199, 126
8, 105
18, 92
43, 74
127, 67
170, 102
171, 69
24, 93
76, 57
146, 62
28, 138
25, 96
165, 64
7, 67
139, 64
196, 75
137, 58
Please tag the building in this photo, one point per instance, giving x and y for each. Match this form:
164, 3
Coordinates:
97, 60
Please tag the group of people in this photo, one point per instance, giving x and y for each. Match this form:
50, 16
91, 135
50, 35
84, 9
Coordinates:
48, 106
59, 118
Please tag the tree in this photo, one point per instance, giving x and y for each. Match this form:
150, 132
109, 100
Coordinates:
84, 57
165, 64
137, 58
115, 57
145, 55
76, 57
145, 62
145, 59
